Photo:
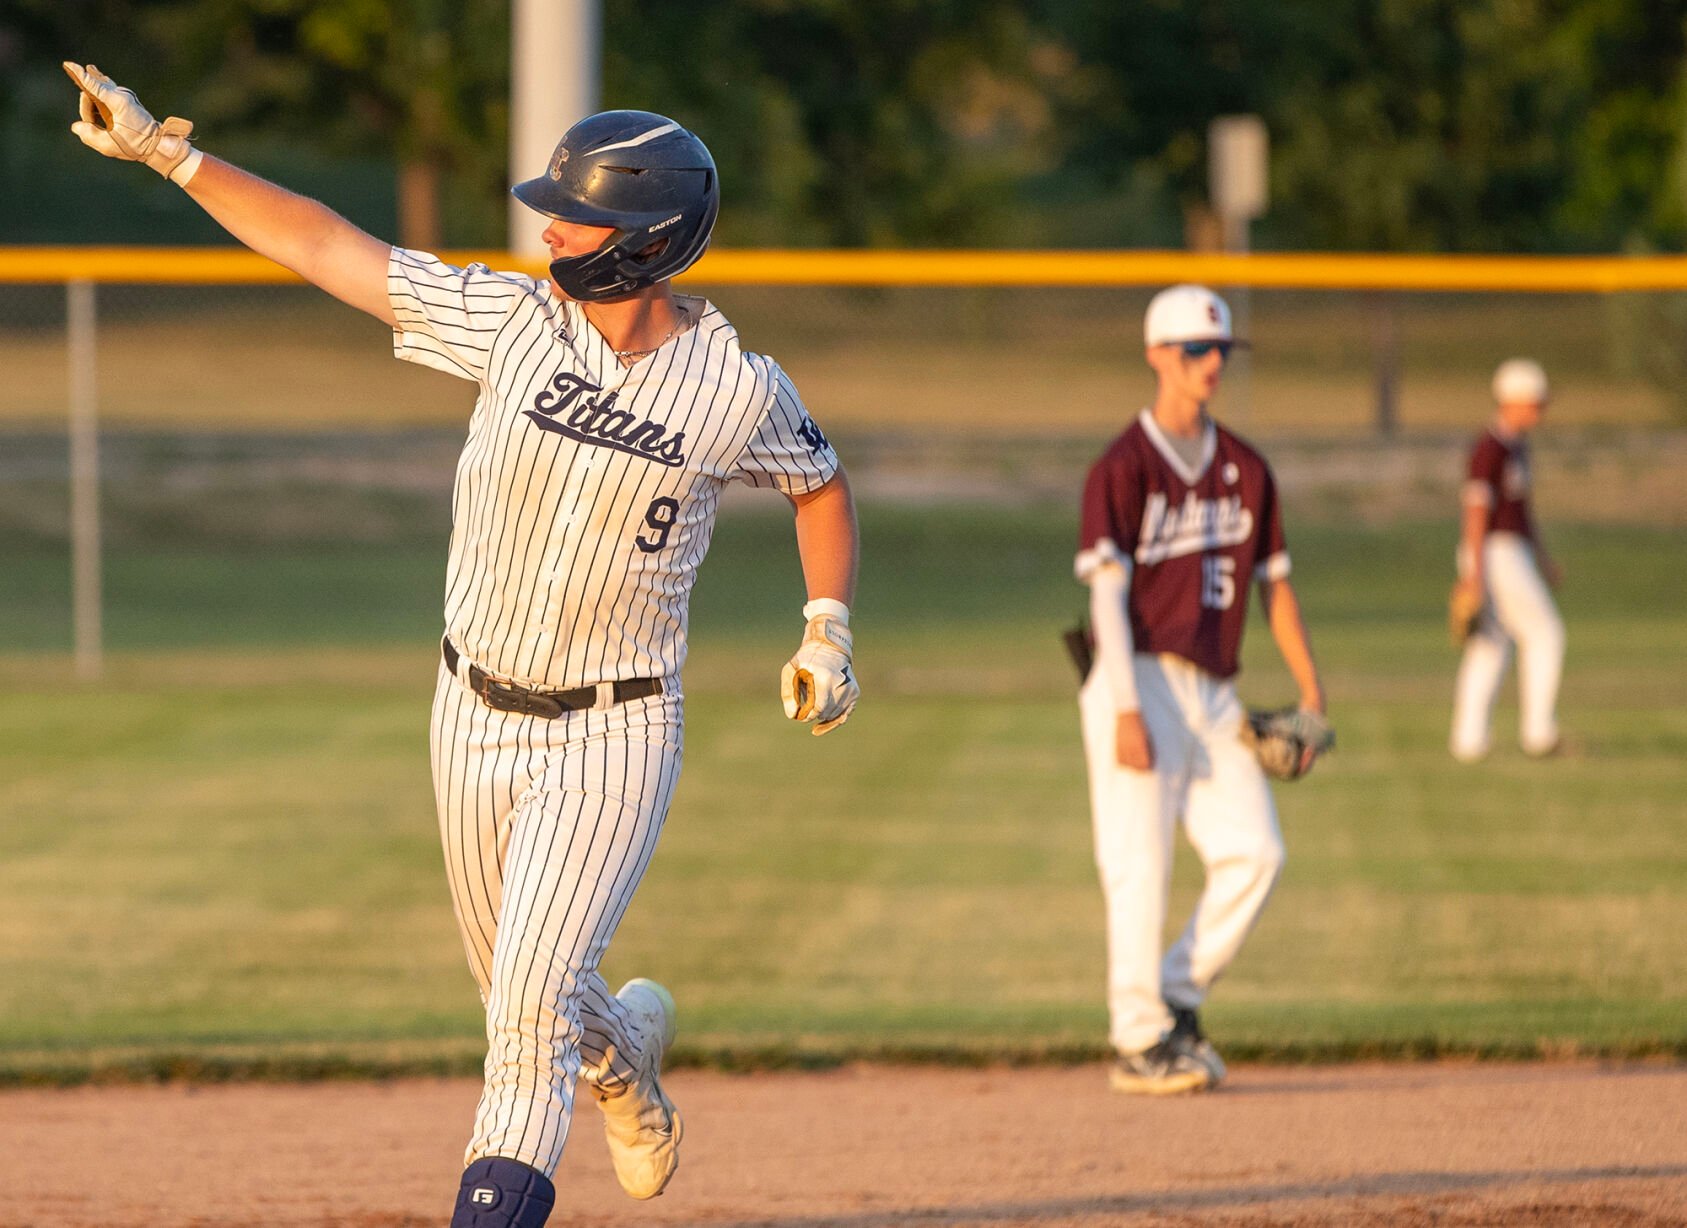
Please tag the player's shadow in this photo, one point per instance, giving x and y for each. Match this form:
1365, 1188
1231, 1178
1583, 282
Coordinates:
1254, 1197
1276, 1081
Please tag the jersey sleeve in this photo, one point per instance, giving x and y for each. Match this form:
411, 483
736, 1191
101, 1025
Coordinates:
1484, 474
788, 451
1110, 518
447, 317
1272, 555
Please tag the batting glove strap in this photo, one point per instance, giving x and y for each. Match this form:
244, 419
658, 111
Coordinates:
115, 124
818, 683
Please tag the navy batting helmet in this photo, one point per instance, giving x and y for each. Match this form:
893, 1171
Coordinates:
646, 176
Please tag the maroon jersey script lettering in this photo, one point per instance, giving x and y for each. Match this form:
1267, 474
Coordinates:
1193, 539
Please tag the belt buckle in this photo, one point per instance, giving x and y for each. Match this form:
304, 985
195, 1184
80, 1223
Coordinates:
506, 697
502, 696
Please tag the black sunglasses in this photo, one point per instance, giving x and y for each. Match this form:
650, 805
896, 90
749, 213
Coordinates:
1200, 349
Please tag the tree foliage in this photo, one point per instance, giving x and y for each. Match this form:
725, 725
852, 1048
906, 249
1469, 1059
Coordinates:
1506, 125
883, 122
424, 83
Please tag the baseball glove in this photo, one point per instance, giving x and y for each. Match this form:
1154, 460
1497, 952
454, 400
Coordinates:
1464, 613
1080, 646
1281, 739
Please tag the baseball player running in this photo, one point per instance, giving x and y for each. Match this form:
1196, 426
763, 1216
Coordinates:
611, 413
1179, 515
1505, 572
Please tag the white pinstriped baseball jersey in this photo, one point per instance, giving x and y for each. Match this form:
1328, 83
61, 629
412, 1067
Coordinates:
586, 493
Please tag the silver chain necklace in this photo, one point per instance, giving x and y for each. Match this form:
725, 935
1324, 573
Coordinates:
679, 323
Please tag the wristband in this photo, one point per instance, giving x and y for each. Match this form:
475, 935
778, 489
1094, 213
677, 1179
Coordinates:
829, 606
184, 170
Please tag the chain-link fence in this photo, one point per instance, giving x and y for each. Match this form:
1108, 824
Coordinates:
269, 412
942, 361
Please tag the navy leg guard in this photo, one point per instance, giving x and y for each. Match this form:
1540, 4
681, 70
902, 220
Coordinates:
500, 1193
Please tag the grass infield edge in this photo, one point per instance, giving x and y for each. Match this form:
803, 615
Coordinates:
213, 1066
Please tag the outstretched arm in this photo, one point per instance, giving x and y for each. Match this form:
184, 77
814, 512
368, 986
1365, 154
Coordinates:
1282, 611
298, 233
292, 230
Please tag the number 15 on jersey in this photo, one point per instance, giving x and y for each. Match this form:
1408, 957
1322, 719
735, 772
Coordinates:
1218, 581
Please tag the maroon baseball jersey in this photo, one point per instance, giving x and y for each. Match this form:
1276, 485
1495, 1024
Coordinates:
1498, 479
1193, 538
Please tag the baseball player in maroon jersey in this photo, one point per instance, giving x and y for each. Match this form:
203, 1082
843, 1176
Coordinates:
1179, 517
1502, 563
610, 415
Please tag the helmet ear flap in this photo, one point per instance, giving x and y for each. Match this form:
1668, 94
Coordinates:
617, 267
652, 251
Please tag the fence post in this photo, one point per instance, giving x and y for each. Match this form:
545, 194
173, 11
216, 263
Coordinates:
1385, 332
84, 479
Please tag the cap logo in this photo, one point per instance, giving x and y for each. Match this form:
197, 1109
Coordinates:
665, 224
557, 160
1212, 312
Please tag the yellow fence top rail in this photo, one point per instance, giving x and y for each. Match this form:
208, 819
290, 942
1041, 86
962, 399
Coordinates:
1274, 270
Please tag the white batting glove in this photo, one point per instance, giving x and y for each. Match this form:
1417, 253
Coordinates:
818, 683
116, 124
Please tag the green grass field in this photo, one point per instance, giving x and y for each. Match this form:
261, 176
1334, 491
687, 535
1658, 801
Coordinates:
223, 858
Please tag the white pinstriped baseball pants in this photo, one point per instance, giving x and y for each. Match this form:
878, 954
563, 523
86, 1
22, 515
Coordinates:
547, 827
1206, 776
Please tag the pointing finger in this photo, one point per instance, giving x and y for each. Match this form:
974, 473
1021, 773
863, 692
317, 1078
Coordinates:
91, 81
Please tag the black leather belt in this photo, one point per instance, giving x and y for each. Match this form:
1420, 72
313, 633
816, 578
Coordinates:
508, 697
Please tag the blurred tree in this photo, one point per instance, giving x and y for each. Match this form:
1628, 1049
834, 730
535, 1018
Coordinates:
51, 188
1523, 125
1627, 156
423, 82
1150, 77
848, 121
1507, 125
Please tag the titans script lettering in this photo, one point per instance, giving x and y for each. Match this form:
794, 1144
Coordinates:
569, 407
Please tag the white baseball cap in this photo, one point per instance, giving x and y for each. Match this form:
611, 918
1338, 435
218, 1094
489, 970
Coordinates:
1186, 313
1520, 381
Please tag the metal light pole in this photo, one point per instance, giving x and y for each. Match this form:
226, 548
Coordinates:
1238, 173
83, 348
554, 81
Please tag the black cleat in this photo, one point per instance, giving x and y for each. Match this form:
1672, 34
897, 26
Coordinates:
1168, 1068
1186, 1028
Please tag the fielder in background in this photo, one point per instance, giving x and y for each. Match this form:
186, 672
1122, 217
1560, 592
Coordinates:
611, 414
1504, 577
1179, 518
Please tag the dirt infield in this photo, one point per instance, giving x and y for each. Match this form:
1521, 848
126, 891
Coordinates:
883, 1147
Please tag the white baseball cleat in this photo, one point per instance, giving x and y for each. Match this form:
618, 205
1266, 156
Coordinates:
642, 1125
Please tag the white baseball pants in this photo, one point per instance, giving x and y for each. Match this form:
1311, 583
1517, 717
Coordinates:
1204, 774
547, 827
1521, 609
